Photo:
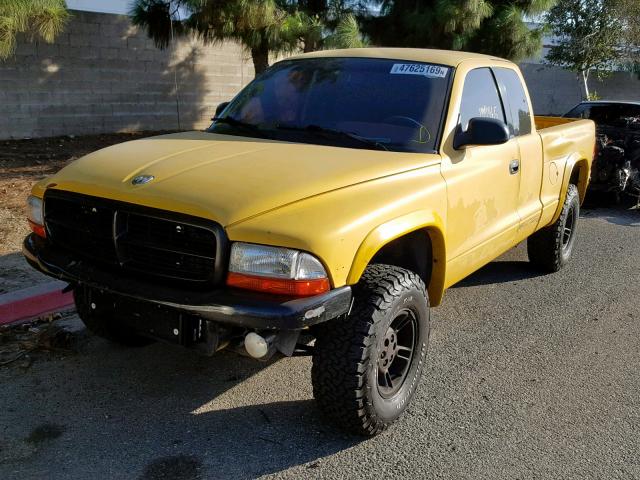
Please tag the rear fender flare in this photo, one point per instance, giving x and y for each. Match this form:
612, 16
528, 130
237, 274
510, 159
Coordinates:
583, 181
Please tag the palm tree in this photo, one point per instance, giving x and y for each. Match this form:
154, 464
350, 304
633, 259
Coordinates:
262, 27
39, 19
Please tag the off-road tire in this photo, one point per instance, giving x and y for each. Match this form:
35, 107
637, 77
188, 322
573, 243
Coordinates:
549, 249
101, 319
347, 356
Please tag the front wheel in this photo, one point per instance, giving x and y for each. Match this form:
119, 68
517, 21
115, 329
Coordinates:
367, 365
550, 248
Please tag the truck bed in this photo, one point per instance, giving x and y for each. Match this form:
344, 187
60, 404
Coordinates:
564, 141
543, 121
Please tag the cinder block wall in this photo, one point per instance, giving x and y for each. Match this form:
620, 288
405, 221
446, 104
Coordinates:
104, 75
554, 90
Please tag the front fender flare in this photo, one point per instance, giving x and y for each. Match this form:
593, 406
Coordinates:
396, 228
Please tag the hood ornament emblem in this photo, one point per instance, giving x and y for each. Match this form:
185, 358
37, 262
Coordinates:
142, 179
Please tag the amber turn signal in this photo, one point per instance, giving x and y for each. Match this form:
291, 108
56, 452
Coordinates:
38, 229
279, 286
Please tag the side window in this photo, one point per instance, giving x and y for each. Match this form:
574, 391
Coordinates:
480, 97
516, 105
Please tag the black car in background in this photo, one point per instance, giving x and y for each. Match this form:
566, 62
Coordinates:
616, 166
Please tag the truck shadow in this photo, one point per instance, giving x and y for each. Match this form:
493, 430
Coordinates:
16, 273
504, 271
150, 411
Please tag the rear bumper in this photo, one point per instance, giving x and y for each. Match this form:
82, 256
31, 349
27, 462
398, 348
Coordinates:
226, 306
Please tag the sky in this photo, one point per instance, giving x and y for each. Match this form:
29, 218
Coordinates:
104, 6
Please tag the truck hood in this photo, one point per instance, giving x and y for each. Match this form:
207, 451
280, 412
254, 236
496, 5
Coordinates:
226, 178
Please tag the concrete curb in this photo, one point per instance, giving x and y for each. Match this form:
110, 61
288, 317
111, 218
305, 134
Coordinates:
34, 301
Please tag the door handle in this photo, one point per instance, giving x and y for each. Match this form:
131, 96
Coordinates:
514, 166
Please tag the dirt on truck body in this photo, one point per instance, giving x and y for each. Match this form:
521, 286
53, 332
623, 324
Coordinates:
335, 198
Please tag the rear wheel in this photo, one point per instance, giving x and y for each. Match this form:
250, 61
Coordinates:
99, 316
367, 365
550, 248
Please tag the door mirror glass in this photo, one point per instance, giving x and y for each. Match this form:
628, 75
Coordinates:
219, 109
481, 131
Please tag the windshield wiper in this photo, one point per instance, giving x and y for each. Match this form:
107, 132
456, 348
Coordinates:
334, 133
235, 123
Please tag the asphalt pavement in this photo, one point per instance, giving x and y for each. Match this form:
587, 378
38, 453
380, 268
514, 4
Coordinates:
528, 376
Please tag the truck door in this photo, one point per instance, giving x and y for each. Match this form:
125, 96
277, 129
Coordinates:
518, 112
482, 185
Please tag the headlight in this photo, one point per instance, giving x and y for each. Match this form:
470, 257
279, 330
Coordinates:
276, 270
35, 215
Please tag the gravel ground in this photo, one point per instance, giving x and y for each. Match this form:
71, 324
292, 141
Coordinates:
24, 162
529, 376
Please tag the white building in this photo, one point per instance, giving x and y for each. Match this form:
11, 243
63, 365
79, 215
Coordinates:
103, 6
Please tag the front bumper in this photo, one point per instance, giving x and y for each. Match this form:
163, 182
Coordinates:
226, 306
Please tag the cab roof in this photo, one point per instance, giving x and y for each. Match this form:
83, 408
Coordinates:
442, 57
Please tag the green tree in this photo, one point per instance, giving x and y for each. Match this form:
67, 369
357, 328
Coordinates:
347, 34
262, 27
495, 27
589, 35
330, 23
628, 13
38, 19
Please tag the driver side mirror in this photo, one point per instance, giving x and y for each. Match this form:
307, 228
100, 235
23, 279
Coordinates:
481, 131
219, 109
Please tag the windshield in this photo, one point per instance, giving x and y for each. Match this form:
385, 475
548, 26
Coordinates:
353, 102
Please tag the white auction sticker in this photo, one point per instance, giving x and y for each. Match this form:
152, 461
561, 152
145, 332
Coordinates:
433, 71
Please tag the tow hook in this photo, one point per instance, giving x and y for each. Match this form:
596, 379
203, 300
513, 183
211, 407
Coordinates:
263, 345
258, 346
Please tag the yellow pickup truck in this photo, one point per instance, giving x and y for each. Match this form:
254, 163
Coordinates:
327, 207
